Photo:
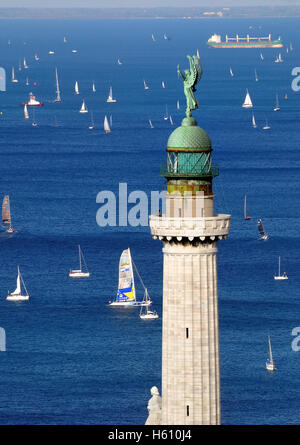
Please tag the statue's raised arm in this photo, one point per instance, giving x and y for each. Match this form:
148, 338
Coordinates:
190, 78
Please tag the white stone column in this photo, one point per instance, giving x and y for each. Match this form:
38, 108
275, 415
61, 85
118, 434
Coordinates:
190, 365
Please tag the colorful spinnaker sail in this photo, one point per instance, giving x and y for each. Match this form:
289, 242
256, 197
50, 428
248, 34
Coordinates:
126, 288
6, 218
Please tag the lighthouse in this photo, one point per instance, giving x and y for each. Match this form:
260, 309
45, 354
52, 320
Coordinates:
189, 230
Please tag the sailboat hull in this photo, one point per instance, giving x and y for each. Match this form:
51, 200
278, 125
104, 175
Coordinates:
130, 303
12, 297
78, 274
281, 277
149, 316
270, 366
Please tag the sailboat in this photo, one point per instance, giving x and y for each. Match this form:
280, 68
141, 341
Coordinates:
126, 295
27, 81
65, 39
253, 121
171, 120
280, 277
119, 62
13, 79
25, 64
76, 88
51, 52
36, 57
277, 108
266, 126
110, 96
263, 235
256, 76
153, 38
83, 108
231, 72
261, 56
150, 123
163, 84
246, 217
270, 363
166, 116
278, 58
166, 37
106, 125
16, 295
6, 215
58, 98
26, 114
247, 102
145, 86
78, 273
178, 105
92, 126
93, 87
145, 312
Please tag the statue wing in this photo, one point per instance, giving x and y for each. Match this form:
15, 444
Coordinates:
194, 74
191, 79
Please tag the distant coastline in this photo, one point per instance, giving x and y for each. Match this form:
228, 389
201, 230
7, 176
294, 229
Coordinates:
150, 13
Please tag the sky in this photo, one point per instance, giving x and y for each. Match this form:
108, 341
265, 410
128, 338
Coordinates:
140, 3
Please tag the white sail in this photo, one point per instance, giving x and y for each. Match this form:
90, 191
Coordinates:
150, 123
163, 84
178, 105
256, 76
17, 290
119, 62
25, 64
261, 56
26, 114
231, 72
83, 108
146, 86
253, 121
93, 88
58, 98
247, 102
171, 120
106, 125
110, 96
76, 88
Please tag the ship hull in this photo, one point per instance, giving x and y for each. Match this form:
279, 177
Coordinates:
245, 45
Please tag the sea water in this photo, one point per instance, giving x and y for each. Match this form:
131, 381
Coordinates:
70, 358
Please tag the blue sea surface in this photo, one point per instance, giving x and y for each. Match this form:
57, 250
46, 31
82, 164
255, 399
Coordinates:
70, 358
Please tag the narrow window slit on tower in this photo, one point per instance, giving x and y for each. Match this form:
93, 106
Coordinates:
187, 410
187, 332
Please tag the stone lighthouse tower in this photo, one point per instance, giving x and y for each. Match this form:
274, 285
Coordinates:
189, 230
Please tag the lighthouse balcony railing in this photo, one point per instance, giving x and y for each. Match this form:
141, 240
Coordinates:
173, 171
190, 226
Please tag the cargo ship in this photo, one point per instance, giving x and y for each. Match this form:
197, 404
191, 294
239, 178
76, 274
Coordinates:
215, 41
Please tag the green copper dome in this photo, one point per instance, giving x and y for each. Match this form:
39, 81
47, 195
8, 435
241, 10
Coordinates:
189, 136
